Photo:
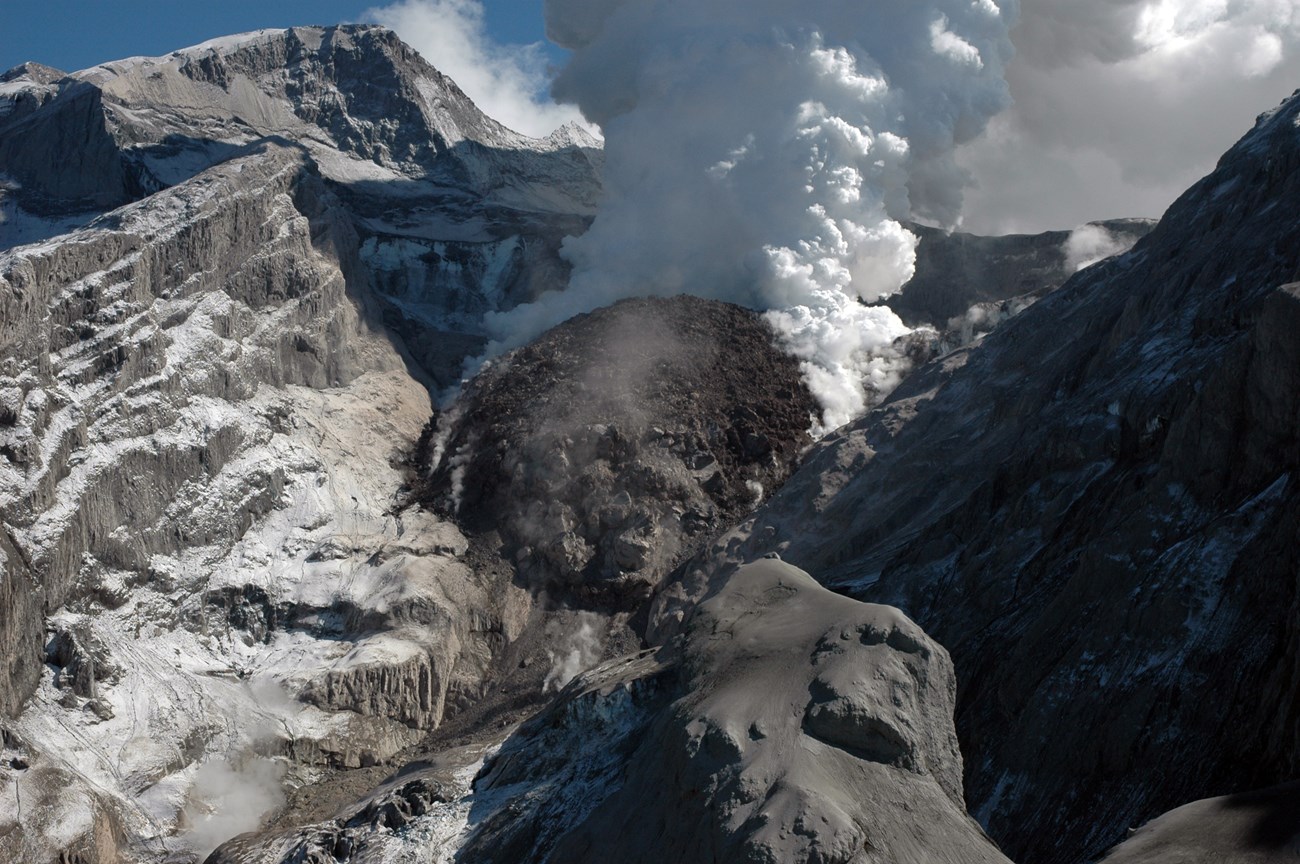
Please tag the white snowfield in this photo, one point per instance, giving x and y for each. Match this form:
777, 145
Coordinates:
180, 687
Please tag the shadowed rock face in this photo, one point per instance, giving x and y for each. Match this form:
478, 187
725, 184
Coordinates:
612, 446
1096, 511
1261, 827
958, 272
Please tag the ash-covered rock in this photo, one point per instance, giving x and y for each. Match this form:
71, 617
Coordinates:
790, 724
615, 444
787, 724
1257, 827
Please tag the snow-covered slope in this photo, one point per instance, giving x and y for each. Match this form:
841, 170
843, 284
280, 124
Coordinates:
202, 449
205, 410
457, 215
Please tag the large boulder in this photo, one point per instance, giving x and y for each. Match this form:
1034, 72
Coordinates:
792, 725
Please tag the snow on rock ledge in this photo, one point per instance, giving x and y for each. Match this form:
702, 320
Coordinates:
199, 462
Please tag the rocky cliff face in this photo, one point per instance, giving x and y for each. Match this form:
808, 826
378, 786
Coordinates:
206, 408
183, 524
455, 214
1093, 512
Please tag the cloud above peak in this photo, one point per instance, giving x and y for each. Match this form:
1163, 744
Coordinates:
510, 83
1120, 105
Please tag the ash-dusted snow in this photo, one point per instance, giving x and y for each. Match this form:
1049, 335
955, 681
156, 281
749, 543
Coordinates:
204, 696
203, 466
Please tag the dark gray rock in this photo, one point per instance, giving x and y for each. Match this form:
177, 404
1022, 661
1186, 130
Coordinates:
957, 271
608, 450
1096, 512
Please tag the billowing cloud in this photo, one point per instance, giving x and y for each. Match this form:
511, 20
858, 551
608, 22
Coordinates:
508, 82
764, 151
1122, 104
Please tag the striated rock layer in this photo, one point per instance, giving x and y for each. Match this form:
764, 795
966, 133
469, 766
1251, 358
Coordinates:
172, 494
205, 412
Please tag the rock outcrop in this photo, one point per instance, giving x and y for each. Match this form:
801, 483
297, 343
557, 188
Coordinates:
612, 446
790, 724
1095, 511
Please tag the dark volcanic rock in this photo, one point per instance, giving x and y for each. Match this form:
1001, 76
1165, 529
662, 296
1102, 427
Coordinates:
1096, 511
606, 450
955, 271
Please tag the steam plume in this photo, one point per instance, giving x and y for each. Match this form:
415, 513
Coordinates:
578, 652
763, 152
1091, 243
507, 81
1121, 105
228, 799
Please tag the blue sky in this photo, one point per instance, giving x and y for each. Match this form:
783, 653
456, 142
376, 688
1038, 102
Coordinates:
74, 34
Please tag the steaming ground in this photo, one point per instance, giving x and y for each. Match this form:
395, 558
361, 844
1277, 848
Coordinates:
575, 652
764, 153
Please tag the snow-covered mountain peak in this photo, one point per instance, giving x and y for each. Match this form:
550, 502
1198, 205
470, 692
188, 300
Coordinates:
363, 104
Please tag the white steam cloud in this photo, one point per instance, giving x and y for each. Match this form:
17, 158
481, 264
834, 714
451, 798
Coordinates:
227, 799
508, 82
764, 151
1121, 105
577, 652
1089, 244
